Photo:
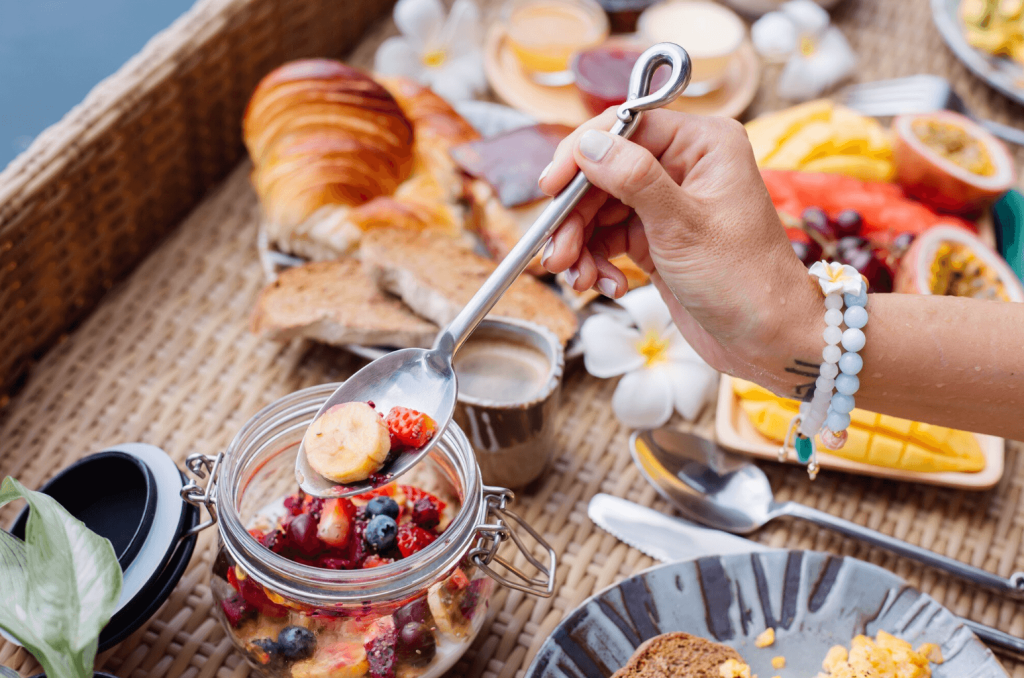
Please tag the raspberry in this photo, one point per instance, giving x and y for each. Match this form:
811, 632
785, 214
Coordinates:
413, 539
235, 610
409, 428
425, 513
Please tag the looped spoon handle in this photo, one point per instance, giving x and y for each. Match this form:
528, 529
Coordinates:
1012, 587
454, 336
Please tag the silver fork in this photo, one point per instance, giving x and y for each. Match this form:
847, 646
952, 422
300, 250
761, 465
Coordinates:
919, 94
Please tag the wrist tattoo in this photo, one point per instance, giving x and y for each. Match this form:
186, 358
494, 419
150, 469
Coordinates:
803, 368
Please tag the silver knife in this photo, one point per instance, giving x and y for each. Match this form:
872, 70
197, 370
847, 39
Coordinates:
662, 537
669, 539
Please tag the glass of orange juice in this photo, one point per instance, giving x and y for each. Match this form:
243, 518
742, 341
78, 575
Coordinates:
545, 34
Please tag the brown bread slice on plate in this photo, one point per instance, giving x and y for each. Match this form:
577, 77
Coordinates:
677, 655
337, 303
436, 276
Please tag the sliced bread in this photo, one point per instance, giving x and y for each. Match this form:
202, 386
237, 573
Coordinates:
437, 276
336, 302
677, 655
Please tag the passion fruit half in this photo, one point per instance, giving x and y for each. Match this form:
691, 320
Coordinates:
949, 162
947, 260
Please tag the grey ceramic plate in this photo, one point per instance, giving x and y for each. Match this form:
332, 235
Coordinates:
1003, 74
812, 600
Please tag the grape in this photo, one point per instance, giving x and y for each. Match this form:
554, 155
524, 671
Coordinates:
302, 534
416, 644
807, 252
417, 611
816, 221
871, 266
902, 243
850, 243
848, 222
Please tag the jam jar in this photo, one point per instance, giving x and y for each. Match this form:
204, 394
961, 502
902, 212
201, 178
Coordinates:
411, 617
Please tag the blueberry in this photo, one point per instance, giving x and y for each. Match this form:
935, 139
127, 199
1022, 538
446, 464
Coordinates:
382, 506
270, 650
381, 532
295, 642
416, 644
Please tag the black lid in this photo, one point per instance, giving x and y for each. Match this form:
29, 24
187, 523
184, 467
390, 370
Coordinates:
130, 494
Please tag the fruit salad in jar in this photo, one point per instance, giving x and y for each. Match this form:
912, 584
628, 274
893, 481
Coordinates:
418, 635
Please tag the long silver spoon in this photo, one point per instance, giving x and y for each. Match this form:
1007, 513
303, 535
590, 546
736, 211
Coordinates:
425, 380
729, 492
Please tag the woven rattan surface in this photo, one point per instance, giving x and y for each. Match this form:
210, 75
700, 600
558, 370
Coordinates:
167, 358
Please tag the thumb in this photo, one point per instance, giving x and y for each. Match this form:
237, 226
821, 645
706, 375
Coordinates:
630, 173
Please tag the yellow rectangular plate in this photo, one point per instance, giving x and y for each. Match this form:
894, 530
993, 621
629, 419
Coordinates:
734, 431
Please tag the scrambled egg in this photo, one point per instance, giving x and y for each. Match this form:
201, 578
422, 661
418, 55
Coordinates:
766, 639
731, 668
884, 657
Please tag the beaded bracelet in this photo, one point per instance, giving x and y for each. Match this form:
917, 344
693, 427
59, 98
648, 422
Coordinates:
840, 283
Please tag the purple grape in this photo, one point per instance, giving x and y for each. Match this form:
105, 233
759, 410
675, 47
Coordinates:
847, 223
850, 243
816, 221
302, 534
416, 644
902, 243
807, 252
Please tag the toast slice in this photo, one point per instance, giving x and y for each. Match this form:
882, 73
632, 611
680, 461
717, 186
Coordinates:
437, 276
677, 655
336, 302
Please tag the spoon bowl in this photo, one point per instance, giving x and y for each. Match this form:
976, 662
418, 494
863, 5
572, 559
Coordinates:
420, 379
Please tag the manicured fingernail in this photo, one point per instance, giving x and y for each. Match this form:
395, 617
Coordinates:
545, 172
549, 249
607, 287
594, 145
572, 274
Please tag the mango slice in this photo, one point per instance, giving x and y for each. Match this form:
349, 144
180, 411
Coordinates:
819, 136
876, 439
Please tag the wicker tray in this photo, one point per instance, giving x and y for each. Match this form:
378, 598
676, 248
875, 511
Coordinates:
165, 355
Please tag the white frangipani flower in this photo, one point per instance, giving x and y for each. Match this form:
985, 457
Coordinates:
444, 54
817, 54
661, 372
836, 277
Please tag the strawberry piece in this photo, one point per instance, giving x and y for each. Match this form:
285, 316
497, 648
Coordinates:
235, 610
294, 502
409, 428
376, 561
412, 539
380, 642
336, 520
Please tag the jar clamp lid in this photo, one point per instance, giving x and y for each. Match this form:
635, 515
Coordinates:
130, 494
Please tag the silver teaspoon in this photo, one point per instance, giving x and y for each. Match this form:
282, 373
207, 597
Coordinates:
424, 380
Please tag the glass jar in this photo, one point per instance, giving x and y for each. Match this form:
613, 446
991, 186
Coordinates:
412, 617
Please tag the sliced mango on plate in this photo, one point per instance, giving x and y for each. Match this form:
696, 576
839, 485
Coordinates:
877, 439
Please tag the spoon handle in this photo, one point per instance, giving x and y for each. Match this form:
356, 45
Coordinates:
452, 337
1012, 587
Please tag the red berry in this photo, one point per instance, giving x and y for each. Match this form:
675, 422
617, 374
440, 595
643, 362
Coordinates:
413, 494
335, 524
409, 428
376, 561
425, 513
380, 642
413, 539
235, 610
294, 503
255, 595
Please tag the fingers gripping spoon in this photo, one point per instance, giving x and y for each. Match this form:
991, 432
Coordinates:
424, 380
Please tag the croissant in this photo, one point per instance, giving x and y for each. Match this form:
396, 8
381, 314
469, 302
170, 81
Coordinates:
336, 153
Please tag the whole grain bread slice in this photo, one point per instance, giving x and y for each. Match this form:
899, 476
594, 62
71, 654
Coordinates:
336, 302
436, 276
677, 655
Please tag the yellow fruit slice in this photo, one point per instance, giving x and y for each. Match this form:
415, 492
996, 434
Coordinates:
875, 439
860, 166
340, 660
348, 443
768, 132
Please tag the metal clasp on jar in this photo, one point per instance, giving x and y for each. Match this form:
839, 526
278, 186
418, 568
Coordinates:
200, 465
503, 524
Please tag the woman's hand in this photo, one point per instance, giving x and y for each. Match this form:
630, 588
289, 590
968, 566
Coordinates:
684, 199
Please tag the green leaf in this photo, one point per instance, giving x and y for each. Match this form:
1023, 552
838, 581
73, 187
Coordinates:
59, 586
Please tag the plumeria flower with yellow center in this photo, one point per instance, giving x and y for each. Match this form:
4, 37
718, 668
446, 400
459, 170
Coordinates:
442, 53
816, 53
660, 371
835, 277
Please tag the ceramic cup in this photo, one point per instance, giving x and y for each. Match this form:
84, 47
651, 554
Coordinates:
710, 33
510, 380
